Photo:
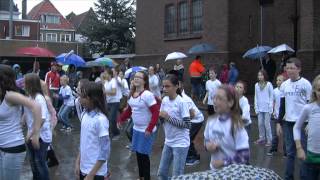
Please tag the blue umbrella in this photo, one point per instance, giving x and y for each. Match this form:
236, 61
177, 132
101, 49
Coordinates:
70, 58
134, 69
201, 48
257, 52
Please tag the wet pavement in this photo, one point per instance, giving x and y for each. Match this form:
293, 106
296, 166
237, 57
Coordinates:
123, 165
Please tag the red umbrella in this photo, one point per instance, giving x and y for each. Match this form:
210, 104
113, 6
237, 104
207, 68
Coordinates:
35, 52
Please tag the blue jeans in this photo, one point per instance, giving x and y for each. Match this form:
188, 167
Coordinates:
63, 115
264, 126
313, 171
291, 151
38, 163
176, 154
11, 165
112, 109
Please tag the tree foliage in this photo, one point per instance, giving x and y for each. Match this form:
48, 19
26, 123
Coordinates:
114, 27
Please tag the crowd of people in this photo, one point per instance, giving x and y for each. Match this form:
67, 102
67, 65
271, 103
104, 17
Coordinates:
151, 100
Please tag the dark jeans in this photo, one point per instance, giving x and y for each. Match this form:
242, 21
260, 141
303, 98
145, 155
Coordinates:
210, 110
313, 171
291, 151
197, 89
38, 161
275, 138
143, 165
112, 109
195, 128
55, 101
96, 177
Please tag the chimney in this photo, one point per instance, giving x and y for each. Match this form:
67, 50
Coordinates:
24, 9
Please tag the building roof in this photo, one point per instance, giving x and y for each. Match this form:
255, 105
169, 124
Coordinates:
46, 7
76, 20
5, 4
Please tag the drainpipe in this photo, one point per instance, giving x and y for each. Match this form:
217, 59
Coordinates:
11, 19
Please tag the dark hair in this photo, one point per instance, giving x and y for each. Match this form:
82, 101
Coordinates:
295, 61
265, 74
71, 67
145, 79
110, 72
7, 80
244, 85
94, 91
198, 57
174, 80
236, 120
32, 84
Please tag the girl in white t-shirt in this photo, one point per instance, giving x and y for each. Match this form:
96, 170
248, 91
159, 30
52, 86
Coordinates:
66, 95
263, 106
38, 157
225, 136
154, 85
211, 87
241, 88
94, 152
144, 110
112, 89
12, 141
174, 112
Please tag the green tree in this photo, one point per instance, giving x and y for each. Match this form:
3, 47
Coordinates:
115, 28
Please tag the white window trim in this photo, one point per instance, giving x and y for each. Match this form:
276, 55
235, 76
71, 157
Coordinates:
22, 34
65, 35
51, 37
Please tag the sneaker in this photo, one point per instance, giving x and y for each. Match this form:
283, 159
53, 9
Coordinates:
64, 128
260, 141
191, 162
271, 152
69, 129
128, 146
268, 144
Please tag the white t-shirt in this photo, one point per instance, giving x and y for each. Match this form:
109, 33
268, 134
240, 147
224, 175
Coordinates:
245, 108
141, 114
263, 98
276, 101
45, 130
178, 109
154, 85
296, 94
124, 87
66, 91
11, 134
211, 88
113, 84
310, 113
198, 114
219, 132
93, 126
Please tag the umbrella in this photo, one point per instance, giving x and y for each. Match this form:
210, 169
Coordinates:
104, 61
175, 55
234, 171
201, 48
35, 52
128, 72
281, 48
257, 52
70, 58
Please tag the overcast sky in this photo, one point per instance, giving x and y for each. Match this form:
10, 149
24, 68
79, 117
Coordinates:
63, 6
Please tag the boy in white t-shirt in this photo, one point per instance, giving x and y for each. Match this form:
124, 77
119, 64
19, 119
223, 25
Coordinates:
66, 95
211, 87
275, 114
295, 93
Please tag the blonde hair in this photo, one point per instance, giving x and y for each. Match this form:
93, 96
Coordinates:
314, 88
65, 78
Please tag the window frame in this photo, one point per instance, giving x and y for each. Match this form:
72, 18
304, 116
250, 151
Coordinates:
56, 39
65, 35
173, 21
23, 30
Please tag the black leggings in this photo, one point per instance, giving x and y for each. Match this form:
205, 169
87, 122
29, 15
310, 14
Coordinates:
143, 165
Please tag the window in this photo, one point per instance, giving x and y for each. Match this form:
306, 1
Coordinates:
183, 17
51, 37
22, 30
197, 10
50, 19
65, 37
41, 36
170, 20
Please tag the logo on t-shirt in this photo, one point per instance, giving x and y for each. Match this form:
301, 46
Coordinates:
297, 91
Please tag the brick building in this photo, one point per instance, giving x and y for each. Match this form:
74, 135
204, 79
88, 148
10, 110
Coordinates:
232, 26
